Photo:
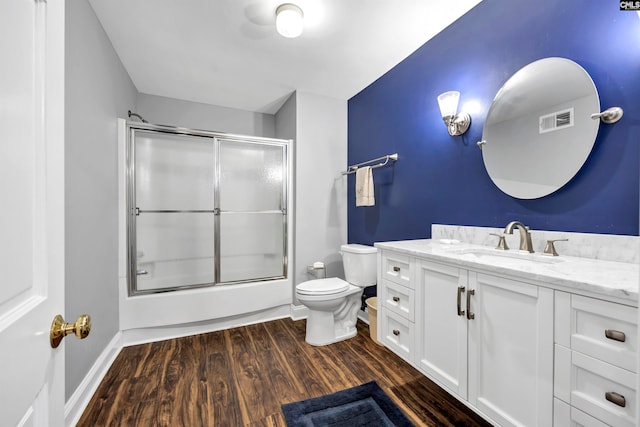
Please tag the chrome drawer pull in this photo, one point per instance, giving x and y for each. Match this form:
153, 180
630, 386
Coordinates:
396, 332
615, 335
460, 291
470, 315
616, 398
396, 299
396, 269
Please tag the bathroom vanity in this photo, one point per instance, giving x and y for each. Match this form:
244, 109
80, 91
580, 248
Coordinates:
523, 339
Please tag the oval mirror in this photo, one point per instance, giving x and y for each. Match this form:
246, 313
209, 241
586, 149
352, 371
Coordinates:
539, 130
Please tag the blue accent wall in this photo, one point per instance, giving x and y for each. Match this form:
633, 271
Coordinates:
441, 179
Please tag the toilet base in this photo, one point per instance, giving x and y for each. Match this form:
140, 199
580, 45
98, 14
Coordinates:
311, 341
319, 336
328, 327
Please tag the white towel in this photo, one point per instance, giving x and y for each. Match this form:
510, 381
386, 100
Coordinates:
364, 187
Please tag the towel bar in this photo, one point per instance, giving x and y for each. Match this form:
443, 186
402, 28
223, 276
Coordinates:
352, 169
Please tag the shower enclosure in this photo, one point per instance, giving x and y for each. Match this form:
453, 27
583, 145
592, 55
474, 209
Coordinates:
204, 208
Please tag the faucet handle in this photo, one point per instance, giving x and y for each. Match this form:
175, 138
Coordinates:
550, 249
502, 243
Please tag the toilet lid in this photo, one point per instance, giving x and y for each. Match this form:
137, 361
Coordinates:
329, 286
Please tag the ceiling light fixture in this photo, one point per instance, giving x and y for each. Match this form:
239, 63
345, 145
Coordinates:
289, 20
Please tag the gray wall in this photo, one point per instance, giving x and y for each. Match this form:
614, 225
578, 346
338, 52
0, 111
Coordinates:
97, 90
285, 124
321, 192
194, 115
285, 119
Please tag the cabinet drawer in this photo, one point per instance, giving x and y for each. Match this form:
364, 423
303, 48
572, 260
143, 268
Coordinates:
566, 416
396, 268
605, 330
396, 333
399, 299
603, 391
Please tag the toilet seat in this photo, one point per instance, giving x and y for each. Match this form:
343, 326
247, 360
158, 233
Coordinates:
330, 286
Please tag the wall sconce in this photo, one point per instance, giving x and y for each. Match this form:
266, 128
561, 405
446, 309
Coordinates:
457, 123
289, 20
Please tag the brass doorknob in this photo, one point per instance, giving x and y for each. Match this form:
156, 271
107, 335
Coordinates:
60, 329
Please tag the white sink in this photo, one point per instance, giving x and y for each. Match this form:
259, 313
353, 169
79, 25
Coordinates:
497, 255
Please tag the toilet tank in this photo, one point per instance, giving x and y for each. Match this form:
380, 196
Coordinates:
360, 264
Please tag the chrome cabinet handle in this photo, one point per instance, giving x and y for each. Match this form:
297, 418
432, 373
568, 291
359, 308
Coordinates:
615, 335
396, 332
141, 272
459, 301
396, 299
396, 269
470, 315
615, 398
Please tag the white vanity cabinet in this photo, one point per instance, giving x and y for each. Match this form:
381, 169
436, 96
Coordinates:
521, 338
595, 362
488, 339
523, 343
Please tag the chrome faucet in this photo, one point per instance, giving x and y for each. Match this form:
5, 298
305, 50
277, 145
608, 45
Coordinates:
525, 236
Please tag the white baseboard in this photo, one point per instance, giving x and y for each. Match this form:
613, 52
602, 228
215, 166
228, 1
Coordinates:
75, 406
299, 312
364, 316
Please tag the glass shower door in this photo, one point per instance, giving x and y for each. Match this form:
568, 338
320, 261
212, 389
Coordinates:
204, 209
251, 197
174, 211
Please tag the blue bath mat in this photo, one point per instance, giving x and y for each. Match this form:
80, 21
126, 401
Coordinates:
364, 405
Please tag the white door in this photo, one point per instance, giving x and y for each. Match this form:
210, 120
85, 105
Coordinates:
511, 351
441, 324
31, 210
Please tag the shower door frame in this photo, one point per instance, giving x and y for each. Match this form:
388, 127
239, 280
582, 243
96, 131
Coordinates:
132, 210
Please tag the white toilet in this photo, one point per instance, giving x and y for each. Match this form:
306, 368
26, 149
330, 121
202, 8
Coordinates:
334, 303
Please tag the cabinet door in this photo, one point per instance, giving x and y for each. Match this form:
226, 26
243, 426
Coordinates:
441, 333
511, 351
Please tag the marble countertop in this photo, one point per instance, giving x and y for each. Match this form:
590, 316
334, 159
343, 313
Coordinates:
615, 281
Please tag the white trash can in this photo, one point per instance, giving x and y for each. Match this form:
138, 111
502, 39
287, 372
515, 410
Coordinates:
372, 307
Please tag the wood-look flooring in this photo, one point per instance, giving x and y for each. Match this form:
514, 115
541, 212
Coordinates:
241, 376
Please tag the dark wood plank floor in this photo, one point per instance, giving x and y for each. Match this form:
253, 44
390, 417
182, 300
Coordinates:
241, 376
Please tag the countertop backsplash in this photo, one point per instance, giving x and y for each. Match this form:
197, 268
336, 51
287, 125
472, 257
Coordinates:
606, 247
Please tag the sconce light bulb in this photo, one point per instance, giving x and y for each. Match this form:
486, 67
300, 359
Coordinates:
457, 123
448, 103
